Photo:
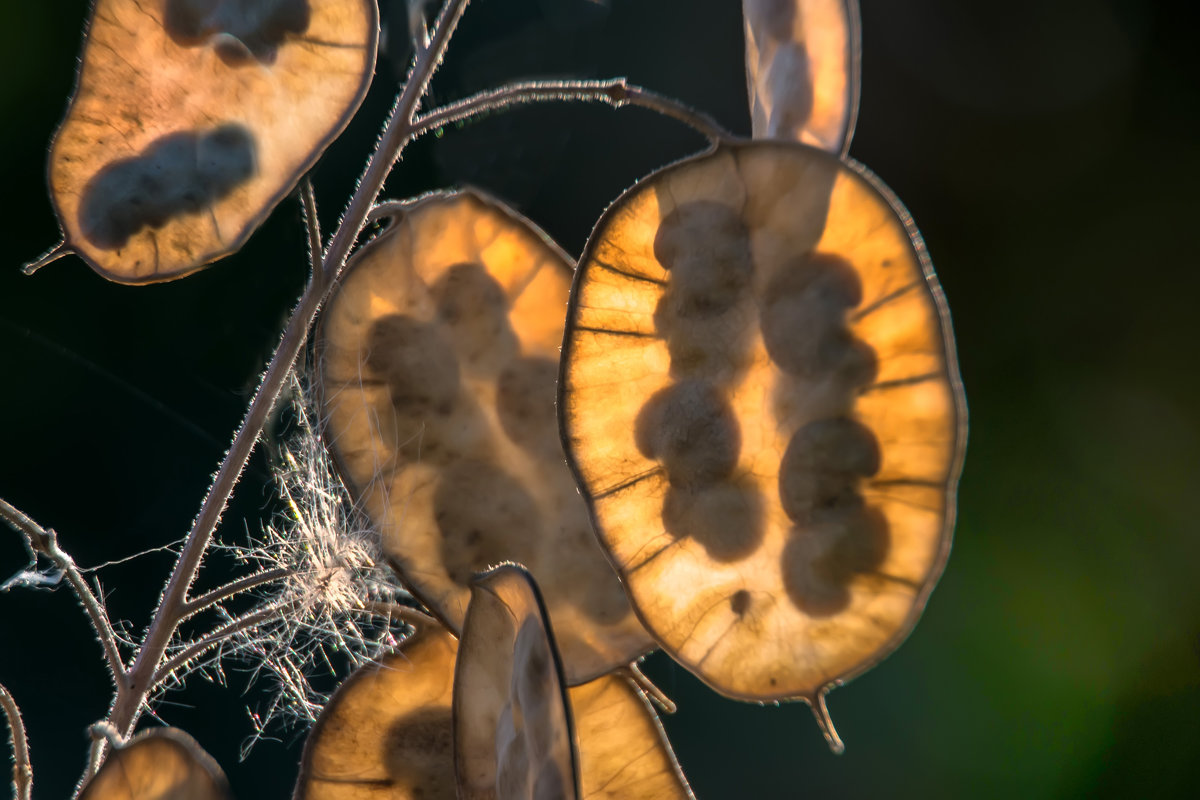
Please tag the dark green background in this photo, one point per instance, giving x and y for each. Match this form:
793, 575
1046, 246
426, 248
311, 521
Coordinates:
1048, 152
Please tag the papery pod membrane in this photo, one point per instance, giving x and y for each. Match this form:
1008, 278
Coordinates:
803, 70
192, 119
760, 398
438, 359
623, 751
513, 731
387, 734
158, 764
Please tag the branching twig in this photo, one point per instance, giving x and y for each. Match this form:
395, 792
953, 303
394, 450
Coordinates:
221, 634
22, 769
195, 606
614, 91
44, 541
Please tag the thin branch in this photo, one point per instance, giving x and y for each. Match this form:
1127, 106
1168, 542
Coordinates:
145, 672
195, 606
617, 92
45, 541
308, 200
218, 636
22, 768
396, 135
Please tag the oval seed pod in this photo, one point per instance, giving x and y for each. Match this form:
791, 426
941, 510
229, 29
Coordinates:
803, 70
513, 731
158, 764
387, 734
438, 360
760, 399
192, 119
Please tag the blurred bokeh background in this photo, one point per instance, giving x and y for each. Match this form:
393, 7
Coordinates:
1049, 154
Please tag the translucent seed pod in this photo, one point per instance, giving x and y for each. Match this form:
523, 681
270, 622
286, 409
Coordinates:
513, 729
760, 398
158, 764
192, 119
803, 70
438, 360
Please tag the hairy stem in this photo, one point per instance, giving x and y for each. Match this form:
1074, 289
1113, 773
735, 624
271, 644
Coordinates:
221, 634
396, 136
614, 91
22, 769
308, 201
45, 541
195, 606
145, 672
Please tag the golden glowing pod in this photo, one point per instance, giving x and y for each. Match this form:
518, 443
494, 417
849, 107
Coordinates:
802, 70
623, 751
438, 360
760, 399
386, 734
158, 764
192, 119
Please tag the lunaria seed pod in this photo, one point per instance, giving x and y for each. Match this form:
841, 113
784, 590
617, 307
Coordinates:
760, 399
438, 359
192, 119
158, 764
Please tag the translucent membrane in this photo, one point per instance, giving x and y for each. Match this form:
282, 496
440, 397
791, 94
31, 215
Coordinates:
438, 360
760, 399
388, 733
802, 70
159, 764
514, 734
192, 119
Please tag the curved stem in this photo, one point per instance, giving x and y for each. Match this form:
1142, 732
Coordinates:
22, 769
657, 696
45, 541
614, 91
145, 672
396, 135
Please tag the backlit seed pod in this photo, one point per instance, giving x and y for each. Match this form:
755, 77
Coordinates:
802, 70
192, 119
438, 360
760, 399
387, 734
158, 764
513, 731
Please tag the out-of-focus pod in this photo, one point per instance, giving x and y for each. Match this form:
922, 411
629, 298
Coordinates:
802, 70
158, 764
